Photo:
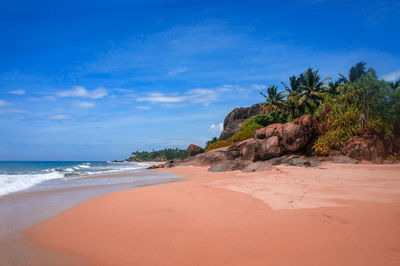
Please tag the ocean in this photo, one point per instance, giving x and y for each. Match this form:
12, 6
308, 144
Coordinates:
31, 192
16, 176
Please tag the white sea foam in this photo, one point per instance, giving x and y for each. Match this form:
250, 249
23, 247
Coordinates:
83, 166
14, 183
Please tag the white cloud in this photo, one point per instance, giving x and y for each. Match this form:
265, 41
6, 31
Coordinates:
392, 76
157, 97
4, 103
17, 92
177, 71
79, 91
143, 107
60, 117
216, 129
202, 96
85, 104
12, 111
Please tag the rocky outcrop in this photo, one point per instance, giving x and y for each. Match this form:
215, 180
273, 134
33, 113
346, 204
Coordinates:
233, 121
270, 142
370, 148
193, 149
278, 139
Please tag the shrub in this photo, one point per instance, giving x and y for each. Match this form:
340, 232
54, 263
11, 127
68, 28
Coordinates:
245, 133
218, 144
338, 122
276, 116
211, 141
241, 135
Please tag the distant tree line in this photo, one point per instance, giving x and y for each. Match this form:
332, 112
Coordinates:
160, 155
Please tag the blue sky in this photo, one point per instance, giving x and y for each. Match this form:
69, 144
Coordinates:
96, 80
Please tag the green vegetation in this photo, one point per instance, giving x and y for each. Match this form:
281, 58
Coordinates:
338, 122
211, 141
165, 154
245, 133
357, 104
276, 116
218, 144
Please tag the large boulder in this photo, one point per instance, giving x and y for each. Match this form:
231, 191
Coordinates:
234, 120
298, 133
229, 165
212, 156
370, 148
193, 149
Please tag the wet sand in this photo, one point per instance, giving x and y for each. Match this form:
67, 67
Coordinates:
29, 207
329, 215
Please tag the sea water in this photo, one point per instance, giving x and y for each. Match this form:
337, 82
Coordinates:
16, 176
31, 192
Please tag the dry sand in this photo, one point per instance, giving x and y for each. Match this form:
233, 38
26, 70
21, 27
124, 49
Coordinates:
330, 215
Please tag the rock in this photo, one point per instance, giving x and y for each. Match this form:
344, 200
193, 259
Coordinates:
370, 148
173, 163
258, 166
249, 149
154, 166
229, 165
193, 149
271, 147
210, 157
298, 133
233, 121
343, 159
269, 131
267, 143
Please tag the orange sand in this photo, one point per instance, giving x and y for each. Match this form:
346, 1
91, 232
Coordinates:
330, 215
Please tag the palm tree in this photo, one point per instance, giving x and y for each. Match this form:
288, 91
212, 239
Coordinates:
359, 70
274, 100
313, 89
334, 87
292, 95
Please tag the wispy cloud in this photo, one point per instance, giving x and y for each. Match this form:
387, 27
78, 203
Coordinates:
79, 91
203, 96
60, 117
4, 103
85, 104
17, 92
392, 76
12, 111
177, 71
143, 107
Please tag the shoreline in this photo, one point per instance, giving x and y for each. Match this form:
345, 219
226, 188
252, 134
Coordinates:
327, 215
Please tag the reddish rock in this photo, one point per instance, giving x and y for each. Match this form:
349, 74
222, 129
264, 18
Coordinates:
370, 148
193, 149
271, 147
298, 133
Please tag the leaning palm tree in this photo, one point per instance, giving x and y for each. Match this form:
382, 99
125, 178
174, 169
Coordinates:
313, 89
274, 100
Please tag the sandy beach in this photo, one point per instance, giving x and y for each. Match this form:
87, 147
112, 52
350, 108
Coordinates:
329, 215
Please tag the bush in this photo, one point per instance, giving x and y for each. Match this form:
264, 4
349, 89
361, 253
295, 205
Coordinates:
218, 144
276, 116
245, 133
211, 141
241, 135
338, 122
